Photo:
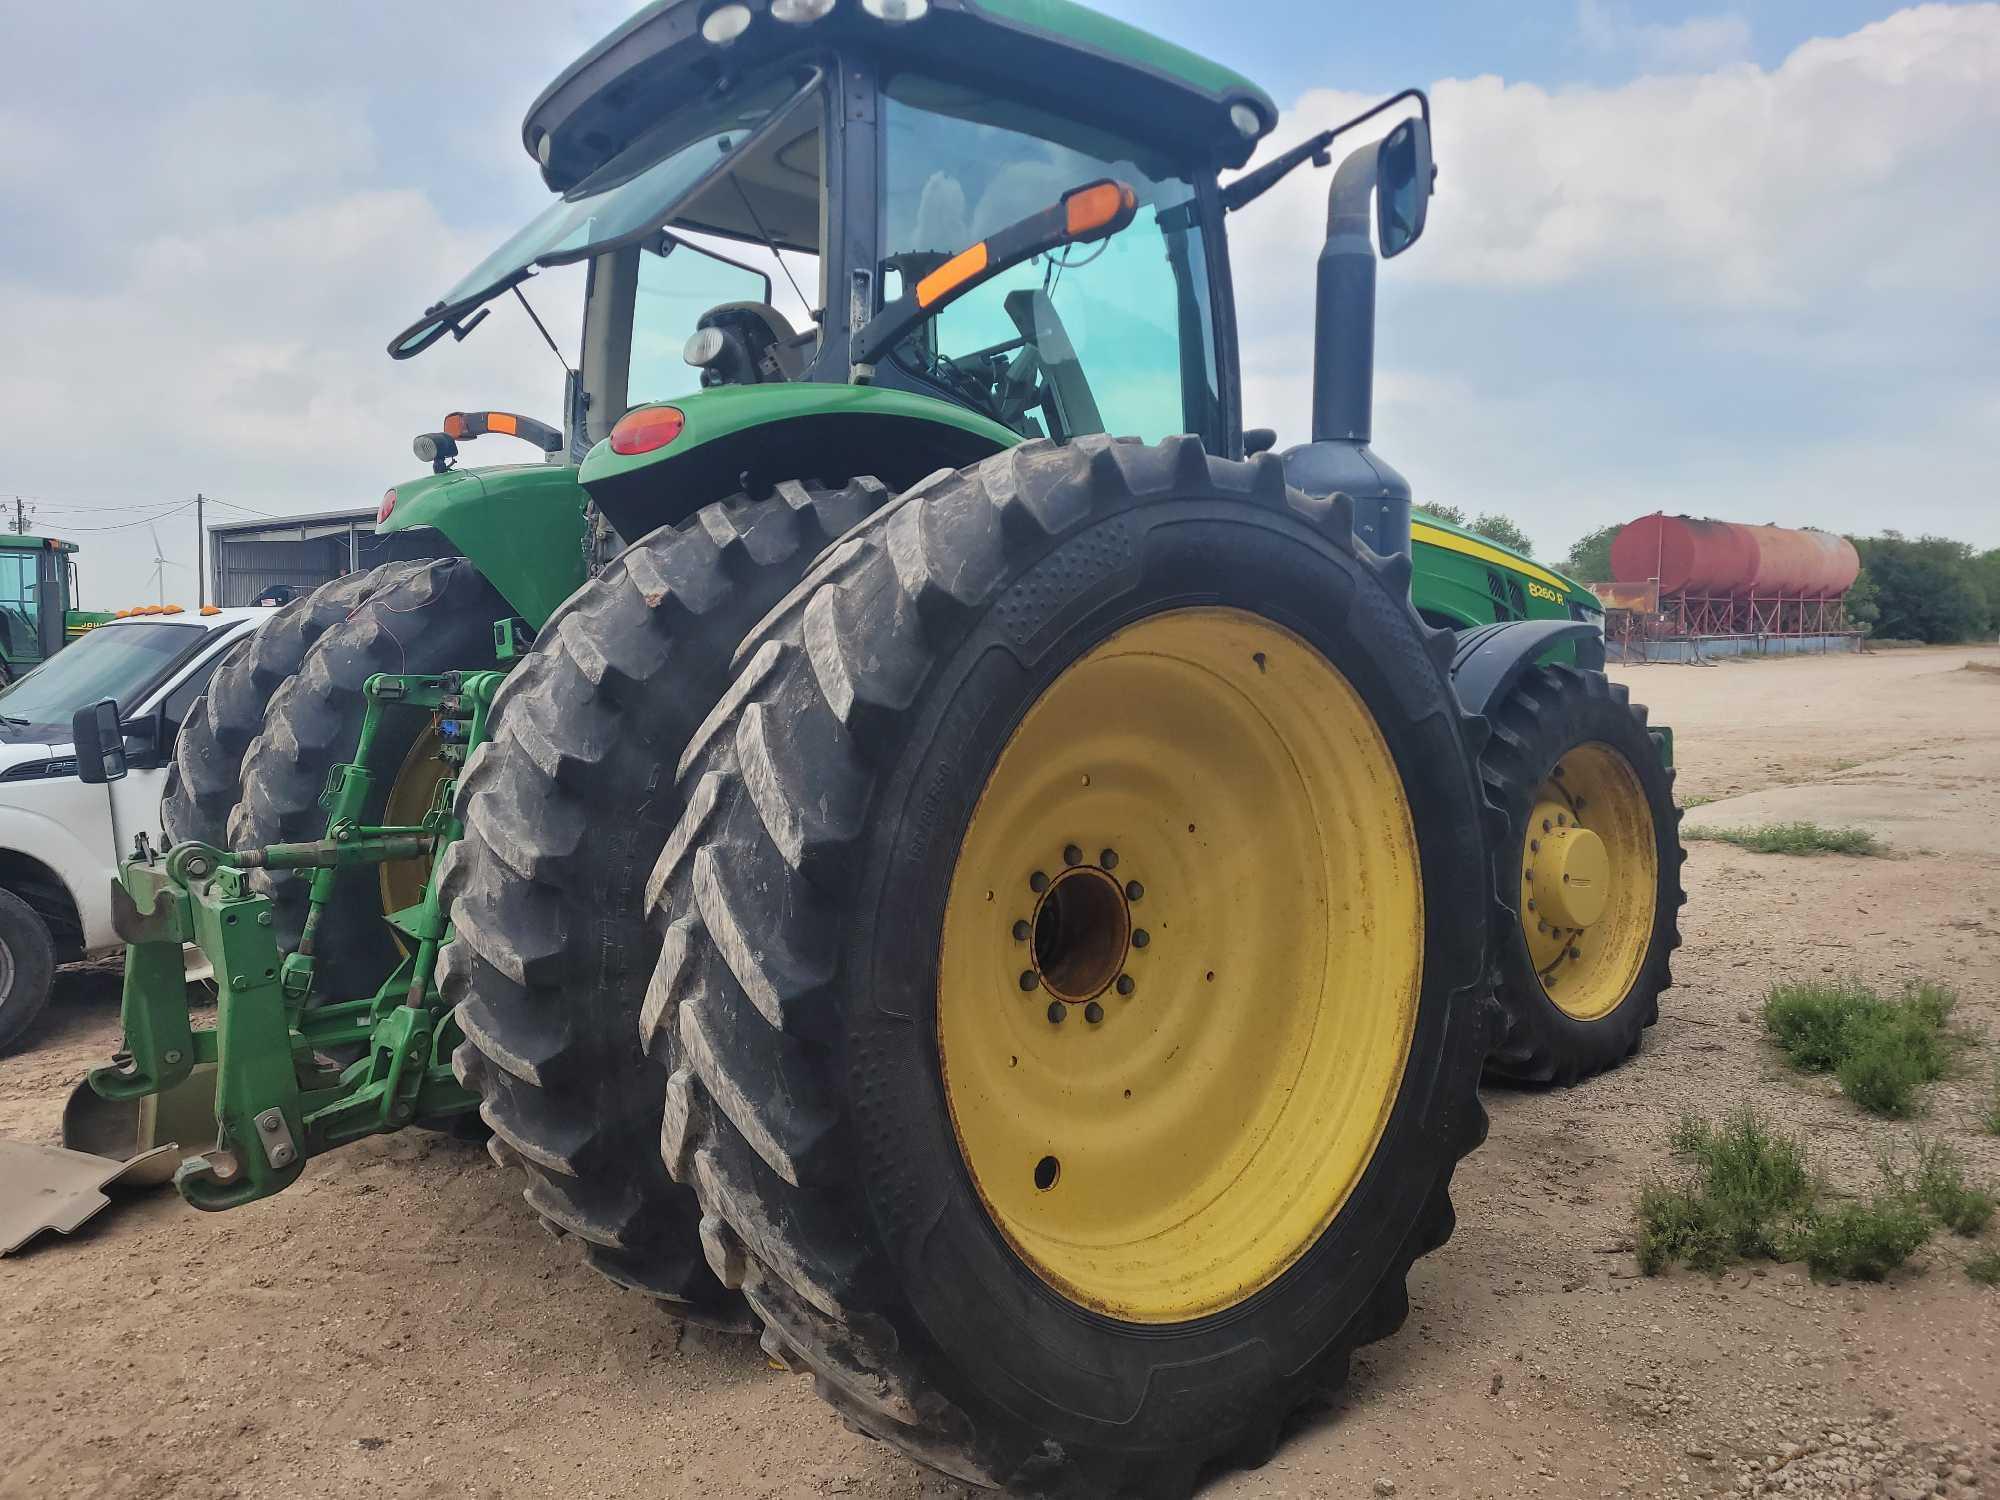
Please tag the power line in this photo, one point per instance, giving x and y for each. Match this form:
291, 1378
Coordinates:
141, 521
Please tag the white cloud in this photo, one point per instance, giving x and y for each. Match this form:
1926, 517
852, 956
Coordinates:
1818, 233
1698, 43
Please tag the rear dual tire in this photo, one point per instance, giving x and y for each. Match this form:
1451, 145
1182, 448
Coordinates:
807, 996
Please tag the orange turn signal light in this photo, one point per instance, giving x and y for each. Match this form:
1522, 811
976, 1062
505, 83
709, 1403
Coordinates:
454, 426
952, 275
503, 422
211, 609
1095, 207
646, 429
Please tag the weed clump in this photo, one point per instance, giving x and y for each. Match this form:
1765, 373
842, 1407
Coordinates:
1985, 1268
1882, 1051
1792, 838
1743, 1190
1989, 1112
1936, 1180
1862, 1241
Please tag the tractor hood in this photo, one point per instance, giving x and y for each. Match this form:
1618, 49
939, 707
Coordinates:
1055, 52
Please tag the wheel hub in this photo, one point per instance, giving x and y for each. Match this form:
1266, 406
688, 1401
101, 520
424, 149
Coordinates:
1572, 876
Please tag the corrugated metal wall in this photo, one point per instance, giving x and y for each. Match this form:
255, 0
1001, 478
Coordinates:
245, 563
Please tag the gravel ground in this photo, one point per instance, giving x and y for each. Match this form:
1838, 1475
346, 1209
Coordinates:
396, 1325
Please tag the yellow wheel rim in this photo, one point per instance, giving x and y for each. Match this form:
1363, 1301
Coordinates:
1180, 963
1589, 881
411, 797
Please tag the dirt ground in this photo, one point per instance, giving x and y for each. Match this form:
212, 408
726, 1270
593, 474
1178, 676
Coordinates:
397, 1325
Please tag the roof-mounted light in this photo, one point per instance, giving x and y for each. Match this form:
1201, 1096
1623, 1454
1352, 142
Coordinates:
725, 24
896, 12
1249, 122
800, 12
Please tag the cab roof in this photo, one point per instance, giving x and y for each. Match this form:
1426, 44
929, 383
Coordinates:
209, 617
1052, 51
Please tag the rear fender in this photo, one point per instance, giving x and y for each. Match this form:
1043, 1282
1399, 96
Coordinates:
521, 525
1491, 660
753, 436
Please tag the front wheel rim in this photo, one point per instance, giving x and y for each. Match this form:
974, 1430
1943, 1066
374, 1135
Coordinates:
1180, 962
1589, 881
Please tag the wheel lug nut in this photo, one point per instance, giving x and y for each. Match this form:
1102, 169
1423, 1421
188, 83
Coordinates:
1546, 825
1093, 1013
1057, 1010
1534, 846
1072, 855
1029, 979
1141, 937
1562, 819
1531, 903
1108, 859
1021, 931
1135, 892
1038, 882
1126, 984
1576, 953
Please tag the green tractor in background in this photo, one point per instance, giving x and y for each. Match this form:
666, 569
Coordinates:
38, 613
1012, 911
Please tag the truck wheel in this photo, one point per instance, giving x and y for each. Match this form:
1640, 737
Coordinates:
1591, 864
566, 810
1074, 965
436, 617
27, 967
205, 780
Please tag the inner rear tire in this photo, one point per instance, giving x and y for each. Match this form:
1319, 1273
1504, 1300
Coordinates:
205, 781
1570, 1012
438, 617
806, 986
566, 809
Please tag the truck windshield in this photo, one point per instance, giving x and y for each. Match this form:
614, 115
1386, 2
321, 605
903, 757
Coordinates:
634, 193
122, 662
1115, 337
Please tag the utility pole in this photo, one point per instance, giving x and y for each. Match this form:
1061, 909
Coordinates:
20, 517
200, 577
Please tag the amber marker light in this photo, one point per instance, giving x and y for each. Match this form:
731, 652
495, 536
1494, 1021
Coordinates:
647, 429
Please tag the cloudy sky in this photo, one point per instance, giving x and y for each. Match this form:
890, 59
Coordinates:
1732, 262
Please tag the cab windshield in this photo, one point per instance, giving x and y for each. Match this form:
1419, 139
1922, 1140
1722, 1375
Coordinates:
687, 171
1113, 337
122, 662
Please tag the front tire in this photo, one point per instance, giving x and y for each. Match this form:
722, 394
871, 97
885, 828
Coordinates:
1590, 809
27, 967
888, 1069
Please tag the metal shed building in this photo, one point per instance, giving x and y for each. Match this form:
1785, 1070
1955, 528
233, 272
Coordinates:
248, 557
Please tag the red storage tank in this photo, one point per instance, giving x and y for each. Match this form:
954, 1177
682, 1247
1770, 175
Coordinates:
1720, 559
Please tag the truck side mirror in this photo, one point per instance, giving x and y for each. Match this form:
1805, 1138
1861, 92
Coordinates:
100, 743
1403, 178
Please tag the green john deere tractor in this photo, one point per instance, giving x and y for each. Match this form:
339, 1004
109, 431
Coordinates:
38, 614
1016, 912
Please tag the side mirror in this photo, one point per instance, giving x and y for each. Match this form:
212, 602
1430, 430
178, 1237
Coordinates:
100, 743
1403, 177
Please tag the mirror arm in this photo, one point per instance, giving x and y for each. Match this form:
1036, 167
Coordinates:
1038, 234
1249, 188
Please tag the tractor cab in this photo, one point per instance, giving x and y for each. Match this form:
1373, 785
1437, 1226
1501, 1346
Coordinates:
37, 594
859, 151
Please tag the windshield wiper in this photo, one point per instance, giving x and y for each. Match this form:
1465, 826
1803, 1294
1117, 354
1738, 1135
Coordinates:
9, 719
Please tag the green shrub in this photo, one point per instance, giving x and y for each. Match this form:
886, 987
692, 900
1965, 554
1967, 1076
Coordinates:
1984, 1268
1862, 1241
1743, 1189
1882, 1051
1989, 1113
1937, 1180
1791, 838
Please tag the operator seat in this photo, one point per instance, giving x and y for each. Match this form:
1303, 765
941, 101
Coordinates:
748, 343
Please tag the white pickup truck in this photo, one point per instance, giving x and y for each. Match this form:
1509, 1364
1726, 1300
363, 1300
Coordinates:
60, 841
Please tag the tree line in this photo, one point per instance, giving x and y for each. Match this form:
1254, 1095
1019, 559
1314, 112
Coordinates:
1926, 588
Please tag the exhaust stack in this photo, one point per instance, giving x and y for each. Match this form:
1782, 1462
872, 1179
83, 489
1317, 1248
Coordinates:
1393, 178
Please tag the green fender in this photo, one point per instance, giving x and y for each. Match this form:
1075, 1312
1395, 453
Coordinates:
522, 526
769, 433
